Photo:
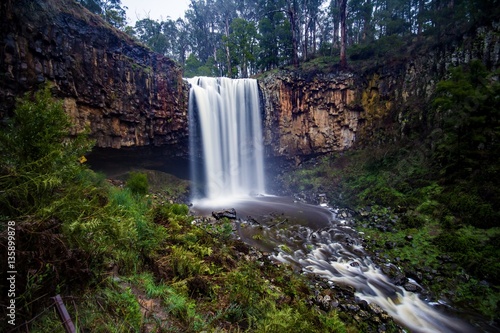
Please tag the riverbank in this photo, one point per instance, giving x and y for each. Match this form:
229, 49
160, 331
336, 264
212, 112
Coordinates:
404, 214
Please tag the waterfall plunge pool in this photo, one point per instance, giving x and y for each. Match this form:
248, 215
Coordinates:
225, 123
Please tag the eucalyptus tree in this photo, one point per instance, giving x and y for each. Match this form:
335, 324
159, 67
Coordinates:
343, 36
310, 14
292, 11
360, 21
182, 45
242, 45
111, 11
151, 33
201, 24
274, 35
224, 15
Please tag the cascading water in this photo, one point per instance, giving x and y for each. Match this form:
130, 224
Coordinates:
225, 129
335, 253
226, 135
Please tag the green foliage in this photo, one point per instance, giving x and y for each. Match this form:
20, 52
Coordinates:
280, 320
376, 49
37, 154
124, 305
172, 215
110, 10
194, 67
137, 182
296, 319
467, 107
242, 45
475, 249
185, 264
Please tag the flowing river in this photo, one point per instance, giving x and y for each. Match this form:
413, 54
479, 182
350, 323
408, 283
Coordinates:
227, 172
313, 239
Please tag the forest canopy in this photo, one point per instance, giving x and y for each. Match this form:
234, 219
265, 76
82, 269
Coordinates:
240, 38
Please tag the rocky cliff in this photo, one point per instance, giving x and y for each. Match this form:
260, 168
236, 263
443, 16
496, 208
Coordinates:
306, 115
314, 113
124, 93
396, 96
129, 96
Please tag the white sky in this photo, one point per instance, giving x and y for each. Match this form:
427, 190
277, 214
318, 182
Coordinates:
154, 9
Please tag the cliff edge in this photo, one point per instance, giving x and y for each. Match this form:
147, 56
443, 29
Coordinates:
124, 93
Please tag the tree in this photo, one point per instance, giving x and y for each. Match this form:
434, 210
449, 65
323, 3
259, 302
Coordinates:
150, 32
241, 44
343, 35
274, 36
37, 153
467, 107
292, 13
110, 10
201, 25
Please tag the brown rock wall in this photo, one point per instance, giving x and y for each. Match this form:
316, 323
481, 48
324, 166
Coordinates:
124, 93
305, 116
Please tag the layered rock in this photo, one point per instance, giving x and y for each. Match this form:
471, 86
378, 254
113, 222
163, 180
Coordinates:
124, 93
309, 115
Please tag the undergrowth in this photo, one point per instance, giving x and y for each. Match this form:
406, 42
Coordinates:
441, 190
124, 259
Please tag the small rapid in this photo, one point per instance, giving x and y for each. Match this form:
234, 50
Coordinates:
226, 140
336, 254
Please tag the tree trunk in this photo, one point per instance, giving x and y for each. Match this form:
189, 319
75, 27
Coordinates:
228, 54
367, 22
343, 35
293, 27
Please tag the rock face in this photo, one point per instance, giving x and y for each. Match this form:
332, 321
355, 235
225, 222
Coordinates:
397, 95
309, 115
129, 96
125, 94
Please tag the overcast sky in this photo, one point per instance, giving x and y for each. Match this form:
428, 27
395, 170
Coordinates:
154, 9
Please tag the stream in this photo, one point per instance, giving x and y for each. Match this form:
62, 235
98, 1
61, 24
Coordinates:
314, 240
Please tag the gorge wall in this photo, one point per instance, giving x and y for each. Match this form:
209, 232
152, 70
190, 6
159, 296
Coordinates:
396, 95
315, 113
306, 115
129, 96
124, 93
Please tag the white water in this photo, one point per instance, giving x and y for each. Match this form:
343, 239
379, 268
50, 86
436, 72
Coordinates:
335, 254
225, 115
225, 132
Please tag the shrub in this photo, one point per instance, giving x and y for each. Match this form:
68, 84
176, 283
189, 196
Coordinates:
137, 182
37, 154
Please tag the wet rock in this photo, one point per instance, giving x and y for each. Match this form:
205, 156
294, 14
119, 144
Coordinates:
226, 213
352, 307
363, 314
410, 286
375, 308
394, 273
325, 302
335, 303
415, 275
390, 245
364, 305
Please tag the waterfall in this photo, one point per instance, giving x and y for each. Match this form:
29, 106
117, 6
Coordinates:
226, 134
